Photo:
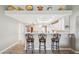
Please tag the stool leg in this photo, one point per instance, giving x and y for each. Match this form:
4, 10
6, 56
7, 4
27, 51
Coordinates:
39, 47
45, 46
32, 47
57, 47
26, 47
52, 46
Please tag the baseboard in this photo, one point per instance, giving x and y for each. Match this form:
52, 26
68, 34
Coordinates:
75, 51
8, 47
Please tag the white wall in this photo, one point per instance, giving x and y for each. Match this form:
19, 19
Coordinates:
74, 25
8, 30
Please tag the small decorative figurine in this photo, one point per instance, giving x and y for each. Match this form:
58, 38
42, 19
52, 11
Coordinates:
10, 8
19, 8
61, 8
29, 7
40, 7
49, 8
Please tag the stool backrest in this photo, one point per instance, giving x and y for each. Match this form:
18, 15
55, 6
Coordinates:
71, 35
29, 36
42, 35
56, 36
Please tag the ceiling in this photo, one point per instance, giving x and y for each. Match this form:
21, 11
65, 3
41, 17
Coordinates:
38, 17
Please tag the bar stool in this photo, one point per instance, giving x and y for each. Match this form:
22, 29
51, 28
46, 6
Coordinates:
42, 42
55, 42
30, 43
